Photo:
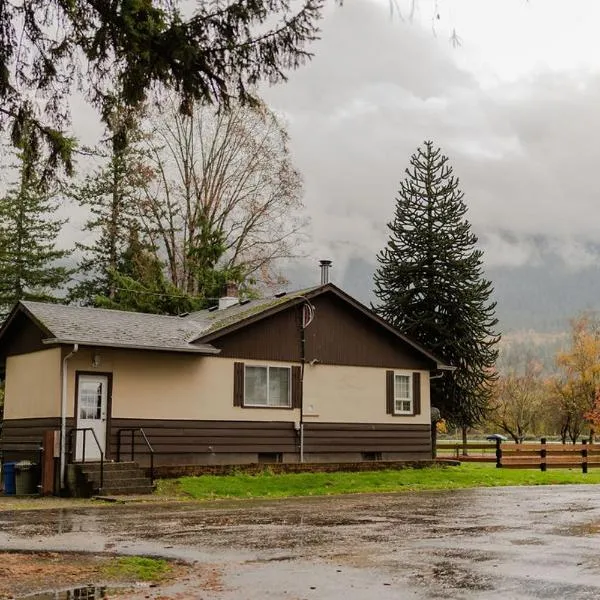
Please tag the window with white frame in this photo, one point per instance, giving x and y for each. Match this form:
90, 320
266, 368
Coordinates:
403, 401
267, 386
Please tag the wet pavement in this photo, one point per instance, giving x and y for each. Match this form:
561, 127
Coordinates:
500, 543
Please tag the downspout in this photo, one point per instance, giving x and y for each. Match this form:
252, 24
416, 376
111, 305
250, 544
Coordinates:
63, 417
302, 363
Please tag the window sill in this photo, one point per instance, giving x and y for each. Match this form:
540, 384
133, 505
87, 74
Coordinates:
267, 407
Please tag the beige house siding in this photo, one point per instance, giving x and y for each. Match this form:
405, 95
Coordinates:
33, 385
157, 385
339, 394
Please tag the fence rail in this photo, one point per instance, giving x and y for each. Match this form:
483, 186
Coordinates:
532, 455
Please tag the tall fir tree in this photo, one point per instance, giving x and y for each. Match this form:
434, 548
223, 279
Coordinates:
430, 285
29, 257
111, 194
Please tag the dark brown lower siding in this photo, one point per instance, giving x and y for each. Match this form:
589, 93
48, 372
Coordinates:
205, 439
180, 442
230, 442
20, 435
366, 437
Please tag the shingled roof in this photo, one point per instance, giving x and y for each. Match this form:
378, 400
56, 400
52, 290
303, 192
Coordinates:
190, 333
114, 328
213, 321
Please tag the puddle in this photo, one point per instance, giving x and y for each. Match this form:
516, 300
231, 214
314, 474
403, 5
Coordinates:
89, 592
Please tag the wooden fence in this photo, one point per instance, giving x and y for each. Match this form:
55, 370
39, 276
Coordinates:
531, 455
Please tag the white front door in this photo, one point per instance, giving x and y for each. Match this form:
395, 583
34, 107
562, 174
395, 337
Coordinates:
92, 396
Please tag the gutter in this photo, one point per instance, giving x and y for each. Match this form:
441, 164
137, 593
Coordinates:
63, 417
210, 350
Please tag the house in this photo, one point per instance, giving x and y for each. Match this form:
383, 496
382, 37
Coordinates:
311, 375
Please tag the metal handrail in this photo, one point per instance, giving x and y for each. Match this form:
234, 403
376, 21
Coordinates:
85, 430
133, 430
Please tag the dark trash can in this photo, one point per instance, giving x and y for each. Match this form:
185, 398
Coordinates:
8, 478
26, 478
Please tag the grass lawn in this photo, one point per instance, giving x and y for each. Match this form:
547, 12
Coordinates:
268, 485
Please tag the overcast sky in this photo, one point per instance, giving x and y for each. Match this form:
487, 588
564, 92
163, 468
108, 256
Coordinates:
516, 108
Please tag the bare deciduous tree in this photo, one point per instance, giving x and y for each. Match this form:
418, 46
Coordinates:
224, 194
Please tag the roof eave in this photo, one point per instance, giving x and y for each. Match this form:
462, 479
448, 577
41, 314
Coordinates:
211, 351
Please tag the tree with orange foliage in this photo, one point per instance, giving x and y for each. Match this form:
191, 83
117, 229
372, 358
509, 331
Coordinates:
517, 401
578, 385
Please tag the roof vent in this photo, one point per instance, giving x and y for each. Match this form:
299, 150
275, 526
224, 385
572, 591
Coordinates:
279, 294
246, 301
324, 264
183, 314
213, 308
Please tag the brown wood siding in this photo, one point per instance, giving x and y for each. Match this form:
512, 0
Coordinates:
366, 437
206, 437
27, 430
23, 336
340, 334
274, 338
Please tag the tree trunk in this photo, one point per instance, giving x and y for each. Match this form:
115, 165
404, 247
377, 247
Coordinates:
465, 441
592, 433
433, 439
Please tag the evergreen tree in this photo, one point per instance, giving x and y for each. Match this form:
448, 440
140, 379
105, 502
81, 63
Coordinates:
28, 233
430, 285
220, 51
111, 194
139, 284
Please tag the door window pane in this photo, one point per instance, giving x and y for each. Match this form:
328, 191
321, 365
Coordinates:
90, 400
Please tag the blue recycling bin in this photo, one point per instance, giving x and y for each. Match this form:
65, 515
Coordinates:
8, 475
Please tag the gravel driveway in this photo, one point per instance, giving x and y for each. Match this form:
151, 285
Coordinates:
500, 543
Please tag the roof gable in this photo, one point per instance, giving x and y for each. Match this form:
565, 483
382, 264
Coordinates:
232, 319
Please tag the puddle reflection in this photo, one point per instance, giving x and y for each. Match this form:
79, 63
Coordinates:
89, 592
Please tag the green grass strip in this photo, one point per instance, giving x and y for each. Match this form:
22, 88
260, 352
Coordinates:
268, 485
138, 568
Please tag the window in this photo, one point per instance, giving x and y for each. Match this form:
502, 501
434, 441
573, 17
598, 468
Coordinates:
267, 387
402, 395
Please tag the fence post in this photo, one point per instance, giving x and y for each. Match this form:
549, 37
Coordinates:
584, 456
543, 455
498, 454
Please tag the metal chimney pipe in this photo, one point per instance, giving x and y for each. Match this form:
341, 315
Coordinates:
325, 264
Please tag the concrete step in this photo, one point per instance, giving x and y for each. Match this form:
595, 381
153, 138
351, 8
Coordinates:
118, 478
115, 491
130, 482
129, 474
89, 467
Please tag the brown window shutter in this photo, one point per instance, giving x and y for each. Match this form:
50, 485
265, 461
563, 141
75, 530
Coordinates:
416, 393
238, 384
296, 387
389, 392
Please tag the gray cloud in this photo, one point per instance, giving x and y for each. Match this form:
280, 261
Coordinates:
526, 152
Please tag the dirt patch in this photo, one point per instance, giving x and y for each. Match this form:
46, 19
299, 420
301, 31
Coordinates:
27, 573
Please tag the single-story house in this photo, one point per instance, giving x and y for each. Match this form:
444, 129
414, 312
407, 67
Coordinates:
311, 375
